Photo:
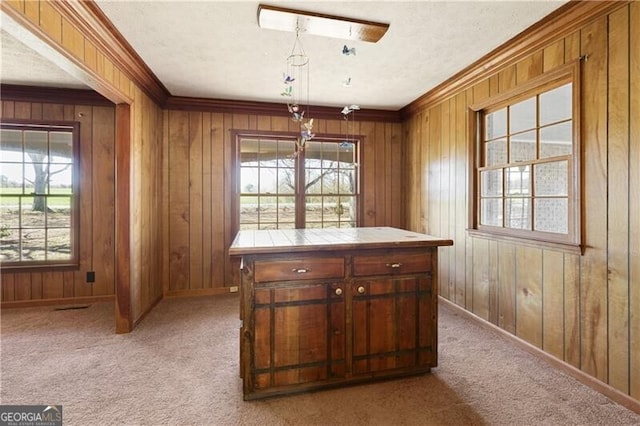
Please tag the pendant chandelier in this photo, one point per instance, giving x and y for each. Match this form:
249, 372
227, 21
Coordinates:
296, 90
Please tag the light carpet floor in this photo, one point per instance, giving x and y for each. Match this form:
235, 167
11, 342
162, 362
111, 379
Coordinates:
180, 367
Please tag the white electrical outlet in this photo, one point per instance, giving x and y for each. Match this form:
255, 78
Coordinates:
233, 289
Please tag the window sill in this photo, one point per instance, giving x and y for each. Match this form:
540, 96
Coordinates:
40, 267
564, 247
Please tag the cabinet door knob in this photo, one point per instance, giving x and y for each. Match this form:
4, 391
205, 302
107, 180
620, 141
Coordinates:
361, 290
339, 291
393, 265
301, 270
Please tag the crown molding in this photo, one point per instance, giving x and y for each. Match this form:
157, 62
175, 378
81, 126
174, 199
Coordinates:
558, 24
274, 109
10, 92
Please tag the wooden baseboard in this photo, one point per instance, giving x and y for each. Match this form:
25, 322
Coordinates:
60, 301
198, 292
605, 389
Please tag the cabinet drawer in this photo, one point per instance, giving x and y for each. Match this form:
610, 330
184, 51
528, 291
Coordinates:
391, 264
299, 269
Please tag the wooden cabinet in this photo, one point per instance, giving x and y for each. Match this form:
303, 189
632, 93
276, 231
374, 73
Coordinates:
336, 313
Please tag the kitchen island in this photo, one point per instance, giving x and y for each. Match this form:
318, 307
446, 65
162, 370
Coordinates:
329, 307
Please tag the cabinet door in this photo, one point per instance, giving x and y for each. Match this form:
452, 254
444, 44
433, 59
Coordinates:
299, 334
394, 324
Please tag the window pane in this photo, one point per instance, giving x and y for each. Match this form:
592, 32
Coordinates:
61, 147
491, 211
551, 215
30, 216
33, 244
496, 152
556, 140
313, 209
286, 181
556, 105
9, 245
495, 124
518, 213
268, 209
517, 181
523, 147
491, 183
9, 212
58, 244
268, 153
313, 154
60, 178
347, 209
35, 146
268, 181
248, 151
330, 182
11, 142
286, 151
551, 178
248, 209
286, 210
249, 180
332, 209
347, 181
59, 212
11, 177
522, 116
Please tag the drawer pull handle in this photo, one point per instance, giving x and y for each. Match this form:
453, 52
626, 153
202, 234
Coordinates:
339, 291
394, 265
361, 290
301, 270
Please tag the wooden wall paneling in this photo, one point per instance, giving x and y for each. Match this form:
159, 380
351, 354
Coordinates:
123, 220
412, 175
396, 187
553, 55
51, 21
36, 285
572, 44
380, 166
22, 282
7, 281
433, 200
72, 39
452, 192
84, 114
166, 198
104, 200
553, 303
68, 290
52, 284
482, 90
196, 236
443, 195
507, 286
572, 309
218, 182
32, 10
8, 109
618, 202
507, 79
593, 294
529, 67
480, 296
140, 193
368, 187
634, 201
425, 150
207, 189
492, 290
22, 110
461, 194
529, 294
179, 200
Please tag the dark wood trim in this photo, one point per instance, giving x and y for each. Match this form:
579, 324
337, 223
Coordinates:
560, 23
595, 384
11, 92
94, 25
273, 109
200, 292
60, 301
124, 323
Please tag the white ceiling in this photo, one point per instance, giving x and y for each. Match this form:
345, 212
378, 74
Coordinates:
215, 49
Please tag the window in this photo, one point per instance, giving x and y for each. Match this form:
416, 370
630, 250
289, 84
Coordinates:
283, 187
527, 161
38, 194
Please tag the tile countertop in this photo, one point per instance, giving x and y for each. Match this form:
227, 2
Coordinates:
305, 240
